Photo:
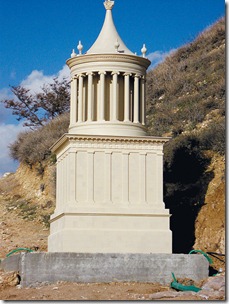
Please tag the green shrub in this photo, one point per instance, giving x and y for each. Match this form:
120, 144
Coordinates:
34, 146
214, 137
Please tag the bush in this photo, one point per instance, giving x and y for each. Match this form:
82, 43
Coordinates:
185, 184
34, 146
184, 162
214, 137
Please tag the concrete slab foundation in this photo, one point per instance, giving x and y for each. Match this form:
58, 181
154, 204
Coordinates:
51, 267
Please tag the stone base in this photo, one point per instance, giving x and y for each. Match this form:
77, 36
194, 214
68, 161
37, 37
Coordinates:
36, 268
111, 233
110, 196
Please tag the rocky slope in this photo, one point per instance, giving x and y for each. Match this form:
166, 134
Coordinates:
27, 199
210, 223
186, 100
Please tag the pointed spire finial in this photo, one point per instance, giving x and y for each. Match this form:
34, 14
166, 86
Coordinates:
108, 4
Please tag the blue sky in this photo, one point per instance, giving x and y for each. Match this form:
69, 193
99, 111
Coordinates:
37, 37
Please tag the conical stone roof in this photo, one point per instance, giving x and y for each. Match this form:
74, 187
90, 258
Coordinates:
109, 41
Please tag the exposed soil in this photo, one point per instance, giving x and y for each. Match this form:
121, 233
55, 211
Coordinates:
77, 291
212, 288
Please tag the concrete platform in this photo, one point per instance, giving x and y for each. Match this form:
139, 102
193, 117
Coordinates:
84, 267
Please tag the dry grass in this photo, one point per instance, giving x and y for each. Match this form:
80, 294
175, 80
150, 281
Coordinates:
33, 147
188, 85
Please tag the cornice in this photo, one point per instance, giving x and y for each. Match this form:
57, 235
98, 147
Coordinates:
116, 57
108, 139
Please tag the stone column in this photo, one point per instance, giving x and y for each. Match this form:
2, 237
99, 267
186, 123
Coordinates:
114, 108
143, 102
127, 97
80, 107
90, 104
73, 104
101, 105
136, 98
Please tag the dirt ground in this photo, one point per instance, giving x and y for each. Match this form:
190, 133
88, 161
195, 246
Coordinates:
126, 291
77, 291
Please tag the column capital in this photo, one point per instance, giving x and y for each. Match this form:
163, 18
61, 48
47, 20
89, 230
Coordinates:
143, 77
90, 73
115, 73
102, 73
127, 74
82, 75
137, 76
74, 77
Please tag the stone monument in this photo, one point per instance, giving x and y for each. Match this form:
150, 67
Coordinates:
109, 196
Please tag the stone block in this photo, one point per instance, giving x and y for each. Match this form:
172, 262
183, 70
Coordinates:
50, 267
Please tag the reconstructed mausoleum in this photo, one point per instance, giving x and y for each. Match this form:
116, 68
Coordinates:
109, 172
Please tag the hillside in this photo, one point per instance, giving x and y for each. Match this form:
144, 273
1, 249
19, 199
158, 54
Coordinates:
185, 100
188, 88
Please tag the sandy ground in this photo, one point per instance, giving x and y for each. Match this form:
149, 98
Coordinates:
77, 291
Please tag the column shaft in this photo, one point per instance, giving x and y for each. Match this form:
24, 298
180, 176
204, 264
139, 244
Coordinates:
114, 108
143, 102
127, 98
136, 99
90, 104
101, 105
80, 108
73, 102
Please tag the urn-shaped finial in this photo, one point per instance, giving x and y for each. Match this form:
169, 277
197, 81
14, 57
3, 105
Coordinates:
116, 45
144, 50
80, 47
73, 54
